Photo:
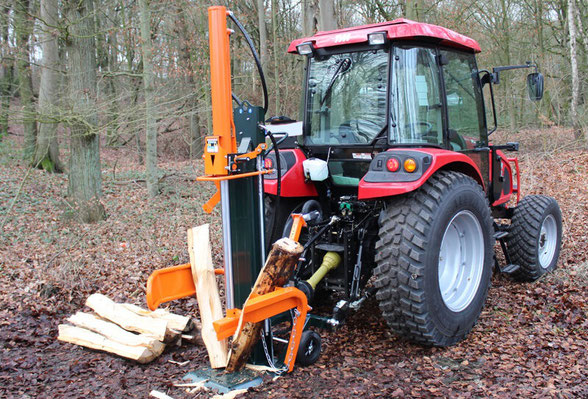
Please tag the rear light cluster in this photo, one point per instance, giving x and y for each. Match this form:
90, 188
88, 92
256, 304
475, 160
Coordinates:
268, 163
409, 164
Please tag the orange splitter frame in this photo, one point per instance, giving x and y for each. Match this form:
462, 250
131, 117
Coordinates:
261, 307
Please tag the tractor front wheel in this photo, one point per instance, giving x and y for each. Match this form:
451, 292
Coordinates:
434, 259
534, 238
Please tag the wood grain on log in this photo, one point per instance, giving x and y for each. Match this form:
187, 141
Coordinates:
89, 339
174, 321
207, 293
119, 314
114, 332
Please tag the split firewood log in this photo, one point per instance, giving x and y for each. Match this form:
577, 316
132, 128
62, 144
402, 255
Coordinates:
207, 293
89, 339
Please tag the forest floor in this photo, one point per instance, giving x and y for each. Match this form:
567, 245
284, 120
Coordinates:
531, 339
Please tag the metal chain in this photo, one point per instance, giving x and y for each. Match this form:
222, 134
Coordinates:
290, 355
293, 334
269, 359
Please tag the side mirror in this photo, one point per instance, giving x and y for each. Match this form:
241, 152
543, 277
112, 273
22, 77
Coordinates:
535, 86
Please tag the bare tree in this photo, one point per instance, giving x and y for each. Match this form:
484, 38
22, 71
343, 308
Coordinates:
327, 18
574, 63
150, 121
23, 25
262, 33
184, 35
6, 69
85, 180
47, 149
309, 22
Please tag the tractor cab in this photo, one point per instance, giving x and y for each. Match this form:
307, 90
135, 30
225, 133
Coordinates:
398, 84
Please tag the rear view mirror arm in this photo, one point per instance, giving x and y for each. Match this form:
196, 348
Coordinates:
496, 70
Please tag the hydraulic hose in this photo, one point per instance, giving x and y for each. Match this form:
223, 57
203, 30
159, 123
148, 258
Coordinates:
255, 57
279, 177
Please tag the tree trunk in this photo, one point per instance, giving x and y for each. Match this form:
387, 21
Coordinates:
195, 146
578, 134
327, 18
47, 151
23, 25
6, 73
308, 17
413, 10
85, 179
262, 33
275, 54
113, 124
150, 122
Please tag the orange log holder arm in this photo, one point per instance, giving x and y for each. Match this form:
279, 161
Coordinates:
171, 283
261, 307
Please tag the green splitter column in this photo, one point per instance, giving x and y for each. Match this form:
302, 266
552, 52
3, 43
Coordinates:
243, 217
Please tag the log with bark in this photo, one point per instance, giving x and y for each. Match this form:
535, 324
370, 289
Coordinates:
276, 272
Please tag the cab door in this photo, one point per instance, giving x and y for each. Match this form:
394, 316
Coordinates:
466, 123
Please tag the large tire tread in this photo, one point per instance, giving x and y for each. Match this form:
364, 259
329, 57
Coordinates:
400, 255
522, 240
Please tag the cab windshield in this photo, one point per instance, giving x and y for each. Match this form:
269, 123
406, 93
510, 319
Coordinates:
347, 98
346, 101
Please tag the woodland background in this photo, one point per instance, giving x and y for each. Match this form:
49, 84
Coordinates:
128, 73
115, 94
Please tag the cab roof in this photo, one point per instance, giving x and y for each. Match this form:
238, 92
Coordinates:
399, 29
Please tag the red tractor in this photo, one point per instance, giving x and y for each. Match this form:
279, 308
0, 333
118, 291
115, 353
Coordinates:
396, 179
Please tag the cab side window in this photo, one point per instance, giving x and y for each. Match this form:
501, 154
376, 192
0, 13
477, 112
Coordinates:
464, 101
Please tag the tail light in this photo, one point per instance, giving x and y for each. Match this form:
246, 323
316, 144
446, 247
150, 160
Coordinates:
393, 164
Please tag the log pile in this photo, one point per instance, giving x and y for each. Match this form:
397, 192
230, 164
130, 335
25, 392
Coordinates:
127, 330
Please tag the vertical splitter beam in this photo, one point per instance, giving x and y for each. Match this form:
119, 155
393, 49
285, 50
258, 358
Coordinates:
223, 141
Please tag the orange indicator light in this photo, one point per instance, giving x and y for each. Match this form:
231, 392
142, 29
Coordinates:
410, 165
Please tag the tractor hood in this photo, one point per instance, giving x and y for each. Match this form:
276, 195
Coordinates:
399, 29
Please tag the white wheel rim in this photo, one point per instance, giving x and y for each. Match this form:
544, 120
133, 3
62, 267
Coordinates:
461, 261
547, 241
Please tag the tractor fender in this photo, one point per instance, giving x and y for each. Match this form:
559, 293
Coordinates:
503, 182
429, 161
293, 182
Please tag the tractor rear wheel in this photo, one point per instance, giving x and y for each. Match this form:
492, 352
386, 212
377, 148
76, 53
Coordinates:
434, 260
535, 236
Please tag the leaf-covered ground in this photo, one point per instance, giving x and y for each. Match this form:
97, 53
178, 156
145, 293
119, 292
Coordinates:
531, 339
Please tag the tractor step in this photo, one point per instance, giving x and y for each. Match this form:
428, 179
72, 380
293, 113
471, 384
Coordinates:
509, 269
500, 234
